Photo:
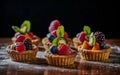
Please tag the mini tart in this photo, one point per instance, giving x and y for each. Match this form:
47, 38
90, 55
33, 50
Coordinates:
94, 55
76, 43
24, 56
35, 40
46, 43
60, 60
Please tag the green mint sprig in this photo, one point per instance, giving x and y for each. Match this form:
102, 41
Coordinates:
87, 29
25, 27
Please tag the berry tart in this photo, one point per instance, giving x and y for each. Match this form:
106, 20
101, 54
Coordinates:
25, 30
53, 33
80, 37
95, 48
22, 49
59, 52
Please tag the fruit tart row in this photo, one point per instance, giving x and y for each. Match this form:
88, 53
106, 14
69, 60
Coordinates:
57, 44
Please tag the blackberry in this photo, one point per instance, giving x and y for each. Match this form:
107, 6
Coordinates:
100, 37
28, 44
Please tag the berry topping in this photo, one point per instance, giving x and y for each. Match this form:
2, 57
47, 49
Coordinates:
103, 45
100, 37
28, 44
20, 38
53, 49
50, 37
16, 34
63, 49
20, 46
54, 33
82, 36
66, 35
54, 25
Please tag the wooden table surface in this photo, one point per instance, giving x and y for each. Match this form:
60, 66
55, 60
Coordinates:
80, 67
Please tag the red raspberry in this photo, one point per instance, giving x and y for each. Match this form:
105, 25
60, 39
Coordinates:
63, 49
20, 46
82, 36
66, 35
54, 25
16, 34
20, 38
54, 33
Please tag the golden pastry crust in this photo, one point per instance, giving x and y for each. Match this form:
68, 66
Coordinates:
76, 43
24, 56
60, 60
97, 55
36, 40
46, 43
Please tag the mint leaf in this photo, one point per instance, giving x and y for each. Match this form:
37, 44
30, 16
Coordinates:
60, 31
87, 29
16, 29
26, 26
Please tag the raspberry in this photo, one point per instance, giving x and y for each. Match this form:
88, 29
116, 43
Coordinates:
82, 36
28, 44
63, 49
54, 25
20, 46
17, 34
100, 37
20, 38
66, 35
53, 33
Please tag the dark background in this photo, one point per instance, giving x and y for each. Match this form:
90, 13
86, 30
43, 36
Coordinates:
73, 14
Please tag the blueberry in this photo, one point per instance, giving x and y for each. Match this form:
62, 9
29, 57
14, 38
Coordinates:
50, 37
14, 45
103, 45
53, 49
77, 35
